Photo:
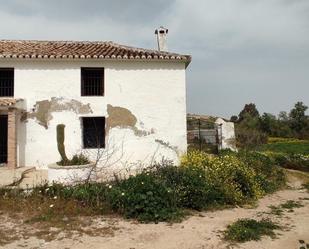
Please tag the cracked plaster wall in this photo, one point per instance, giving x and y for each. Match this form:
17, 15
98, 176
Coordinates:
142, 116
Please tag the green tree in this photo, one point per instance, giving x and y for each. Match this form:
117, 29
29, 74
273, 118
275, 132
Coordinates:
248, 128
283, 116
234, 119
249, 111
268, 123
298, 118
283, 126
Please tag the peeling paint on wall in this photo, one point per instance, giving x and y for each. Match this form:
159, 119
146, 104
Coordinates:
123, 118
167, 145
42, 111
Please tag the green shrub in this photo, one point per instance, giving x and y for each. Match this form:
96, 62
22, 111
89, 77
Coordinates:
195, 158
237, 177
144, 197
292, 161
91, 194
300, 161
249, 138
229, 179
190, 186
163, 191
236, 180
79, 160
76, 160
269, 176
248, 229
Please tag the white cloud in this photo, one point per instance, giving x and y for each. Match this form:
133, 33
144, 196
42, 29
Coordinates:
243, 50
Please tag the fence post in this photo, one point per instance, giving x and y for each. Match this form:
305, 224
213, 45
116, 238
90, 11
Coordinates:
199, 133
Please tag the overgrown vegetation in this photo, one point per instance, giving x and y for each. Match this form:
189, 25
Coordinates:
253, 129
288, 153
286, 146
145, 197
248, 229
162, 192
269, 175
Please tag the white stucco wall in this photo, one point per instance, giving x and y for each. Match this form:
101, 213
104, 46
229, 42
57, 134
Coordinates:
154, 92
226, 134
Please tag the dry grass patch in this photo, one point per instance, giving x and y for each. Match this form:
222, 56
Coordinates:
49, 230
49, 219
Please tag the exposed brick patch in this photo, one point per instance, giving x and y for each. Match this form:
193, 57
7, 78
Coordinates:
12, 143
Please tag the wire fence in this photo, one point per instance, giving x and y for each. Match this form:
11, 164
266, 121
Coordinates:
203, 135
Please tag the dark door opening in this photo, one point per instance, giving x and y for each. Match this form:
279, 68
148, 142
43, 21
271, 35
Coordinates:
3, 139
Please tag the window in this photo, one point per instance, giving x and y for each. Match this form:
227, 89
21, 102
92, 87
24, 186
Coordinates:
6, 82
92, 81
94, 132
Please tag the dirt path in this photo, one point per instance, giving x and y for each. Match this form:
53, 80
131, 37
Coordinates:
202, 231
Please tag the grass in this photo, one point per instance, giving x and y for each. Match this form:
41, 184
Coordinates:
276, 210
248, 229
288, 153
48, 207
37, 209
289, 205
288, 146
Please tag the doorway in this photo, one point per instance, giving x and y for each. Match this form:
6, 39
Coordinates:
3, 139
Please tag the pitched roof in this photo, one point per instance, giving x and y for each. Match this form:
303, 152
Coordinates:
82, 50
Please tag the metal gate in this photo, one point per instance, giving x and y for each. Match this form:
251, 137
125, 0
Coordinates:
3, 138
204, 139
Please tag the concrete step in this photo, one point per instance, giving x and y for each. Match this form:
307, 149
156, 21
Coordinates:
34, 178
11, 176
23, 177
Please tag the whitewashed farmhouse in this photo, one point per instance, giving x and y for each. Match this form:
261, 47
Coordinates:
134, 98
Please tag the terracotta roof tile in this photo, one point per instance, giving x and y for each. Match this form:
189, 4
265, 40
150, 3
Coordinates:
81, 50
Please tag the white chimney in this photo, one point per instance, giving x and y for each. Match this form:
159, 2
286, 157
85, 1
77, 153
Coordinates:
162, 38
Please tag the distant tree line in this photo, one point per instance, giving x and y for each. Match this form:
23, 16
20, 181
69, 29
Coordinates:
253, 129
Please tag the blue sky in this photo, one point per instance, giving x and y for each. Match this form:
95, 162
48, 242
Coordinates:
243, 50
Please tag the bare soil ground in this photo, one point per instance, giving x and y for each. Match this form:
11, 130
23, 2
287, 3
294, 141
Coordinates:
200, 231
